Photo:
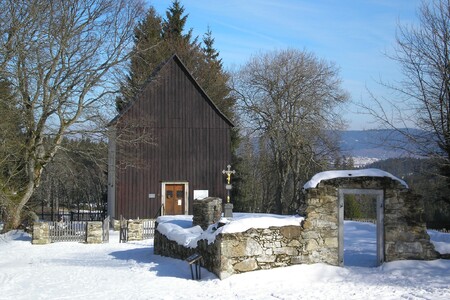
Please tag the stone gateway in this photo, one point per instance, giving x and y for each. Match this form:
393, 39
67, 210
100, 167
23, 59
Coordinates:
401, 227
401, 230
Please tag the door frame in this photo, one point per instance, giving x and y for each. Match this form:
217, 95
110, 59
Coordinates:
186, 195
379, 194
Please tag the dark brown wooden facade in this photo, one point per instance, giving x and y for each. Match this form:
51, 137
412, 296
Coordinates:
190, 147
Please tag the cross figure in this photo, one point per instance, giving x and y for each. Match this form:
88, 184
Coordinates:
228, 172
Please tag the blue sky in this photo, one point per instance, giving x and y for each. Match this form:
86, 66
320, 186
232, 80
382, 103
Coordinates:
354, 34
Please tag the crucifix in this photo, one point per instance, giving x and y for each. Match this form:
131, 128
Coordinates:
228, 172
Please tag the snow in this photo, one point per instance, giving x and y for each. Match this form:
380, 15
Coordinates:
179, 228
242, 222
131, 271
441, 241
316, 179
361, 161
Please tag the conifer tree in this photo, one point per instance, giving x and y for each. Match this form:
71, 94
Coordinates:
173, 25
156, 39
148, 52
211, 53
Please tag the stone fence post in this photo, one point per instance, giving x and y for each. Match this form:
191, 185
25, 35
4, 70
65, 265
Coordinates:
41, 233
94, 233
135, 230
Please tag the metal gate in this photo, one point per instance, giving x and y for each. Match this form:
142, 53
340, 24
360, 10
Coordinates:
149, 229
68, 231
74, 231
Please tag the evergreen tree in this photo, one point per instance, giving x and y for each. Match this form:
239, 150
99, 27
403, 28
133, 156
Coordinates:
148, 53
352, 208
173, 25
211, 53
156, 39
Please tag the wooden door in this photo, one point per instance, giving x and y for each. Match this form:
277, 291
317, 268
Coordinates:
174, 204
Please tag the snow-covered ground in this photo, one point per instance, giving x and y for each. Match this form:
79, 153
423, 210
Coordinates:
132, 271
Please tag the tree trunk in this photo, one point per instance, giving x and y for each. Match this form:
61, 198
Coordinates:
15, 208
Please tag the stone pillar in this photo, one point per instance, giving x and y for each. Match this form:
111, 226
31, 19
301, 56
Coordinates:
135, 230
41, 233
94, 233
206, 211
321, 228
405, 228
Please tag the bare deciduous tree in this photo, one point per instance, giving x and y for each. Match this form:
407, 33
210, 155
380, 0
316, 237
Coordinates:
423, 94
289, 99
58, 56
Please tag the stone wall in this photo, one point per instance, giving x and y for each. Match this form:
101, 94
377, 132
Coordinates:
165, 247
257, 249
317, 239
234, 253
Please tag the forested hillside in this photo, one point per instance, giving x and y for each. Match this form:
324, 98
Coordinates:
380, 144
422, 177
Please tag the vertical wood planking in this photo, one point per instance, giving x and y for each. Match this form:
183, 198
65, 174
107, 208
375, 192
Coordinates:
193, 143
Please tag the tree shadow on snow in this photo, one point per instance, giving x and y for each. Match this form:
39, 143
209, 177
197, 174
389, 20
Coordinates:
162, 266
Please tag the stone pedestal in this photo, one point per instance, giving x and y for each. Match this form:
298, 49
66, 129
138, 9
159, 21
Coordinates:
228, 210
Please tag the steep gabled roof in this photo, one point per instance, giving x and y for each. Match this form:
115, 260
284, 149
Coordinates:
154, 75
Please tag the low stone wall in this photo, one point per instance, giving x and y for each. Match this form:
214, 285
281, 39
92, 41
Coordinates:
257, 249
165, 247
317, 240
234, 253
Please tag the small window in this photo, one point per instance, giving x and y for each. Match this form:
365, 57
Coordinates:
180, 194
169, 194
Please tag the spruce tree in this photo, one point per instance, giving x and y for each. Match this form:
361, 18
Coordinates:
173, 25
156, 39
147, 55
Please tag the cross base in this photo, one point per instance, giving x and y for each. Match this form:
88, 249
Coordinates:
228, 210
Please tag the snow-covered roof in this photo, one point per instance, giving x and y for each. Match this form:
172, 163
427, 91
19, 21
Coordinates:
316, 179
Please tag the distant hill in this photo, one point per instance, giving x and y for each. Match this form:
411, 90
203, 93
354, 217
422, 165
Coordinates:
372, 143
366, 146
